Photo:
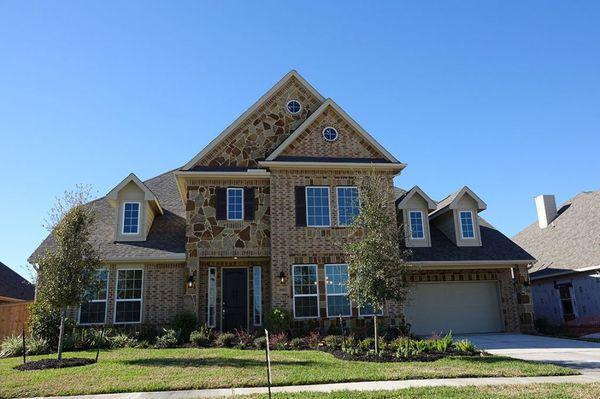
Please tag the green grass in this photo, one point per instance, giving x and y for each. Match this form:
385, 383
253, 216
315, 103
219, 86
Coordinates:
127, 370
534, 391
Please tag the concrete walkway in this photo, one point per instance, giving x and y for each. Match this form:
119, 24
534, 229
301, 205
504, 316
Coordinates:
349, 386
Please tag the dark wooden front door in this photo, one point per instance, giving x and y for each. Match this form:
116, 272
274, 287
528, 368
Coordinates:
235, 299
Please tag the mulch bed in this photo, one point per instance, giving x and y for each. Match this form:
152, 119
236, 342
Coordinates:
390, 357
55, 364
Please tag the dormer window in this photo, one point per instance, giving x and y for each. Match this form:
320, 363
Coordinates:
131, 218
466, 224
417, 232
235, 204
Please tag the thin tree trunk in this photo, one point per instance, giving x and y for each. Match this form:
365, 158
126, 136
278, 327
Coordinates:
61, 333
376, 333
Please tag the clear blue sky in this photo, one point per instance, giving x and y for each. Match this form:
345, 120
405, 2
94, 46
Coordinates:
503, 97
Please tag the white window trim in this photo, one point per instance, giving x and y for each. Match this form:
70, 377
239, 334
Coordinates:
288, 110
361, 314
209, 305
227, 202
328, 295
410, 224
141, 299
337, 134
462, 234
328, 205
95, 301
138, 218
254, 268
337, 203
294, 295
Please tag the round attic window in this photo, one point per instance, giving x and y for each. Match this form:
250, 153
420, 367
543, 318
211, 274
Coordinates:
294, 106
330, 134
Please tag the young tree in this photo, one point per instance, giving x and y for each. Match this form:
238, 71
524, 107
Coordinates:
378, 266
67, 270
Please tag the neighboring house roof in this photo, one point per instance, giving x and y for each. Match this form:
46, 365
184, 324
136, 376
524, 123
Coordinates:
166, 239
570, 243
13, 286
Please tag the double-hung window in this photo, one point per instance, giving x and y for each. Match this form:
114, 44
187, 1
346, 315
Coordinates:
128, 303
348, 205
466, 224
235, 203
212, 297
93, 311
257, 288
417, 231
306, 291
336, 288
317, 207
131, 218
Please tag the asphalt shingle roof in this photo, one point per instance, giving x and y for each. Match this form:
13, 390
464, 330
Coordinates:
12, 285
571, 241
166, 236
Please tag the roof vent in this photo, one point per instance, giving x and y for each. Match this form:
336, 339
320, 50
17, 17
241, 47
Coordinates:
546, 209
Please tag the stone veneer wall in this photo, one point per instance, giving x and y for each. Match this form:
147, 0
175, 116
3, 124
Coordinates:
162, 295
349, 143
524, 299
264, 129
296, 245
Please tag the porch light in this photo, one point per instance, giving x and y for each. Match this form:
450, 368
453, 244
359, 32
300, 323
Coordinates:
282, 277
190, 282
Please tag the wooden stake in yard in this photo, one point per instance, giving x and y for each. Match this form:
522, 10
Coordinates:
99, 343
268, 355
24, 346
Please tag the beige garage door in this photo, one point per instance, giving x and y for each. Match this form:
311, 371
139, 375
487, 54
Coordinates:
463, 307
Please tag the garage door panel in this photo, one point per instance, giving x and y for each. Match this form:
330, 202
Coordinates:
462, 307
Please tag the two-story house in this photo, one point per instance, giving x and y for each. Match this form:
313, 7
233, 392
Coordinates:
253, 222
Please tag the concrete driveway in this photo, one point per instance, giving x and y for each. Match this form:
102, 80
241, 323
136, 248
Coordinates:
581, 355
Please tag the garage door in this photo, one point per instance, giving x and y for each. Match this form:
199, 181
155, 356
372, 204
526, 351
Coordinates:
463, 307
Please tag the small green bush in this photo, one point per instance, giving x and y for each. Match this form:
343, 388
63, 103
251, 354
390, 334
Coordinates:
367, 344
260, 343
184, 323
122, 340
44, 322
200, 338
464, 345
36, 346
333, 341
11, 346
298, 343
168, 339
442, 344
278, 320
226, 340
420, 346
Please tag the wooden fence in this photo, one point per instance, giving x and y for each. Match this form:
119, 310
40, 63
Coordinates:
12, 317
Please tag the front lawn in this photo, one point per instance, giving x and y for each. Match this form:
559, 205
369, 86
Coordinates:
535, 391
127, 370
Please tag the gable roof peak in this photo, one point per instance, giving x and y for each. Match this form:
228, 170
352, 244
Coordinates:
403, 200
113, 194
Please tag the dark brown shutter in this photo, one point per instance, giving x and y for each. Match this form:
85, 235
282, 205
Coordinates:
221, 203
300, 197
249, 203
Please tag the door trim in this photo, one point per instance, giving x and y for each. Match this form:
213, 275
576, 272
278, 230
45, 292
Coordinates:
220, 297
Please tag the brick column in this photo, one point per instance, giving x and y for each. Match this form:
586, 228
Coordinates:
524, 301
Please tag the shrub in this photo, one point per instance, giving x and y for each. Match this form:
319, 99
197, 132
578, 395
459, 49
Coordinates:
298, 343
366, 344
168, 339
278, 320
278, 341
464, 345
44, 322
421, 345
312, 339
36, 346
143, 344
226, 340
122, 340
244, 339
333, 341
260, 343
184, 323
442, 344
200, 338
11, 346
147, 333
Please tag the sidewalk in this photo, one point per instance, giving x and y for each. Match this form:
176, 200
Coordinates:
348, 386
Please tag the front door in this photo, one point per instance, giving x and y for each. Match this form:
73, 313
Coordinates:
235, 299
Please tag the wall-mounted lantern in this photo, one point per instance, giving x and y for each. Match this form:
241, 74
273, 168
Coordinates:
282, 277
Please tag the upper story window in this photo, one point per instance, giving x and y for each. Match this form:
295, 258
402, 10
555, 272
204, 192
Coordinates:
294, 107
348, 205
466, 224
330, 134
131, 218
235, 203
417, 231
317, 207
94, 310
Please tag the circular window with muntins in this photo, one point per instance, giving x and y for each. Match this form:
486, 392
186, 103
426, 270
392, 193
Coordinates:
330, 134
294, 106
